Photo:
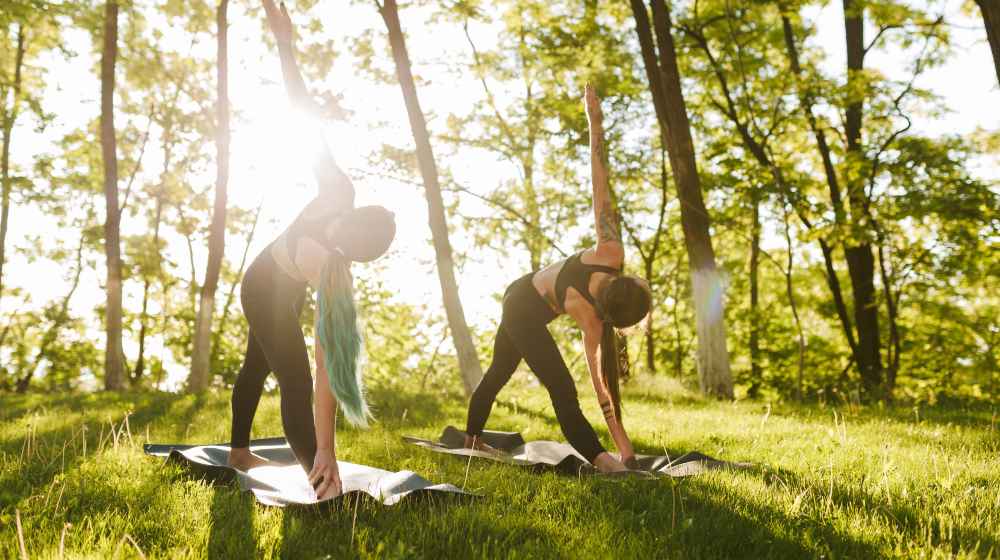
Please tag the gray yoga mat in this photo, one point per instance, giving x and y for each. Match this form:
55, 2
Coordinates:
561, 457
284, 483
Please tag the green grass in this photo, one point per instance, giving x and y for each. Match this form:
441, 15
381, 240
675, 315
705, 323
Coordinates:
830, 482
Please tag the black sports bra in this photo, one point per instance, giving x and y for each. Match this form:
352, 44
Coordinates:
314, 228
577, 273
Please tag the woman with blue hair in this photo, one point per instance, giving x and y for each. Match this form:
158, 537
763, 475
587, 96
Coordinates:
315, 251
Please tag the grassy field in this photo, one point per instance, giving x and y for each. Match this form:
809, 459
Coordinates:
831, 482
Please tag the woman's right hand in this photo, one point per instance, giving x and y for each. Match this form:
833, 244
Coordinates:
325, 475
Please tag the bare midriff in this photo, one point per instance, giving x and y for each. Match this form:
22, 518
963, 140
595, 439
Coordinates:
545, 284
307, 266
279, 250
308, 263
575, 305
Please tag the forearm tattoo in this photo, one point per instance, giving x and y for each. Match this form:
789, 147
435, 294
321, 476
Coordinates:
609, 410
608, 228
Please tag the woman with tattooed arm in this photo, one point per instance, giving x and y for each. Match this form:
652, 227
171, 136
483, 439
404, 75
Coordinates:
589, 287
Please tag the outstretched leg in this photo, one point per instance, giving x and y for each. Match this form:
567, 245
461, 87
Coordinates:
505, 360
271, 302
539, 349
281, 339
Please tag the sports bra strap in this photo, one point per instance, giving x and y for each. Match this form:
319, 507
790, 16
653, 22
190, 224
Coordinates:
577, 273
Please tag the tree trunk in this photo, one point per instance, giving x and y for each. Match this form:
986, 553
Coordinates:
790, 292
140, 362
991, 19
202, 352
836, 199
468, 360
756, 375
860, 259
650, 338
59, 321
114, 367
649, 260
715, 377
8, 128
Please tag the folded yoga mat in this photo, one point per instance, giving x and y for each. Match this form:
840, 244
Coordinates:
284, 482
561, 456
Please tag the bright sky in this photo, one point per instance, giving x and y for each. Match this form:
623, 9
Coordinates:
268, 162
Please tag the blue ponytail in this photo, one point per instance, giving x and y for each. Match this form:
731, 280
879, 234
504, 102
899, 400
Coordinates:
337, 330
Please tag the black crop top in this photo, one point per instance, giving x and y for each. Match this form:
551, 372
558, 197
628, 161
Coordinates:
314, 228
577, 273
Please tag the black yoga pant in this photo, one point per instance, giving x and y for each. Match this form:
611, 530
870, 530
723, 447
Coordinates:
523, 334
272, 301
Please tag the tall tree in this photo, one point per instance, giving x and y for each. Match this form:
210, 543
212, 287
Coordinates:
9, 117
663, 75
860, 258
807, 101
468, 359
756, 371
114, 367
991, 19
202, 353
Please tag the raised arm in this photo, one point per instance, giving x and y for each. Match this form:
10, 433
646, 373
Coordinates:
609, 237
330, 178
591, 347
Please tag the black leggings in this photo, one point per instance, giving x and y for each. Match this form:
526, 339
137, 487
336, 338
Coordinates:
523, 334
272, 301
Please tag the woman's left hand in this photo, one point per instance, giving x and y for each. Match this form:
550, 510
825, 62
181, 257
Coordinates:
631, 462
325, 475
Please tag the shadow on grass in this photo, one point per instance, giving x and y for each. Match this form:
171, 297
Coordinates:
232, 532
421, 409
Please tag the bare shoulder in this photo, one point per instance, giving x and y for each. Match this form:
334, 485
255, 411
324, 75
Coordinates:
605, 254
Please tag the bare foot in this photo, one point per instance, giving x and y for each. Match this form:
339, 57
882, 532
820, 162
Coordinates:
607, 463
241, 458
473, 442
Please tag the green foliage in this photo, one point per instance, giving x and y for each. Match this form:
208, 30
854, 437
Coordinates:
930, 211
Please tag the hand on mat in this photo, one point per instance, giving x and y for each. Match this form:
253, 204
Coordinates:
631, 463
325, 476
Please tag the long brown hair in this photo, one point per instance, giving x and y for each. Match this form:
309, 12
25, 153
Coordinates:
623, 303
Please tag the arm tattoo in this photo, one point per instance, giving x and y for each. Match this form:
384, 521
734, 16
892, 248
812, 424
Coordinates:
609, 410
607, 225
600, 154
